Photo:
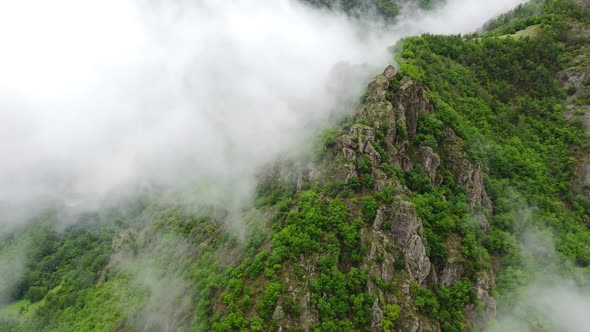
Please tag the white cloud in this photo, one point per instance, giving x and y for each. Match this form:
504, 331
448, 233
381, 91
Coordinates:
97, 98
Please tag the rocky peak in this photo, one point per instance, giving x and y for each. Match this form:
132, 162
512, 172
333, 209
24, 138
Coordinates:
412, 100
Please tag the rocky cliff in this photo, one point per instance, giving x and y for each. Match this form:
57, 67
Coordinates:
371, 156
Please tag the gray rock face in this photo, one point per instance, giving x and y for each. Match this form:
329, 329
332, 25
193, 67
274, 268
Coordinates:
377, 89
413, 101
278, 313
373, 155
382, 268
469, 175
405, 228
430, 161
396, 230
417, 263
485, 283
405, 222
390, 72
455, 264
366, 136
418, 324
308, 317
378, 219
380, 179
411, 324
377, 317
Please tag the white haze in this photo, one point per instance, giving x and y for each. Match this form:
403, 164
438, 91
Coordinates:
98, 98
557, 296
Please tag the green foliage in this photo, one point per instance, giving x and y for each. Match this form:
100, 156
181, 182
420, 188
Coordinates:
425, 300
388, 7
345, 296
391, 313
329, 138
430, 130
269, 298
354, 183
364, 165
386, 195
501, 97
369, 209
256, 324
418, 181
75, 257
583, 99
446, 304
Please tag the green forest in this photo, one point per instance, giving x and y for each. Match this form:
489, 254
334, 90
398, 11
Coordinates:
323, 250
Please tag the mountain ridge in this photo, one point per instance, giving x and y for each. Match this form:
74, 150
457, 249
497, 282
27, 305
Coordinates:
419, 212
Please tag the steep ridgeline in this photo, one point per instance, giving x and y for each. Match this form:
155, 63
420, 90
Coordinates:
354, 252
425, 203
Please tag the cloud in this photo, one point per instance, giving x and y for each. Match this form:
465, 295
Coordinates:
555, 295
12, 258
102, 99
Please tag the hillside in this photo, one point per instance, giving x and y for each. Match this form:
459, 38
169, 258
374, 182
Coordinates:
389, 9
462, 178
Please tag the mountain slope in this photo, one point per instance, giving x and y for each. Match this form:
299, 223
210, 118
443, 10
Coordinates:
418, 213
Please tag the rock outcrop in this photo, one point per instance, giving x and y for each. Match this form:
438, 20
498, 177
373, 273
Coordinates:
396, 249
469, 175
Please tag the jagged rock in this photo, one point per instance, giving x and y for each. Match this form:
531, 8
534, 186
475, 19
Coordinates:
412, 100
410, 324
382, 268
377, 317
390, 72
377, 89
347, 146
485, 283
451, 273
403, 163
346, 172
378, 219
373, 155
123, 241
417, 263
365, 135
455, 263
432, 278
345, 141
349, 154
219, 214
405, 222
428, 324
418, 323
430, 161
376, 112
278, 313
469, 175
380, 179
482, 221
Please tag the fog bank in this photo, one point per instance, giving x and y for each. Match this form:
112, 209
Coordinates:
101, 99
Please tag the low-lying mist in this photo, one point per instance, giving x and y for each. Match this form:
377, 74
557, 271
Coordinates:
101, 99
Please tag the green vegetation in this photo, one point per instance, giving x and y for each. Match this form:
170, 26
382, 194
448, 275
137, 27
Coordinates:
501, 96
389, 9
311, 250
